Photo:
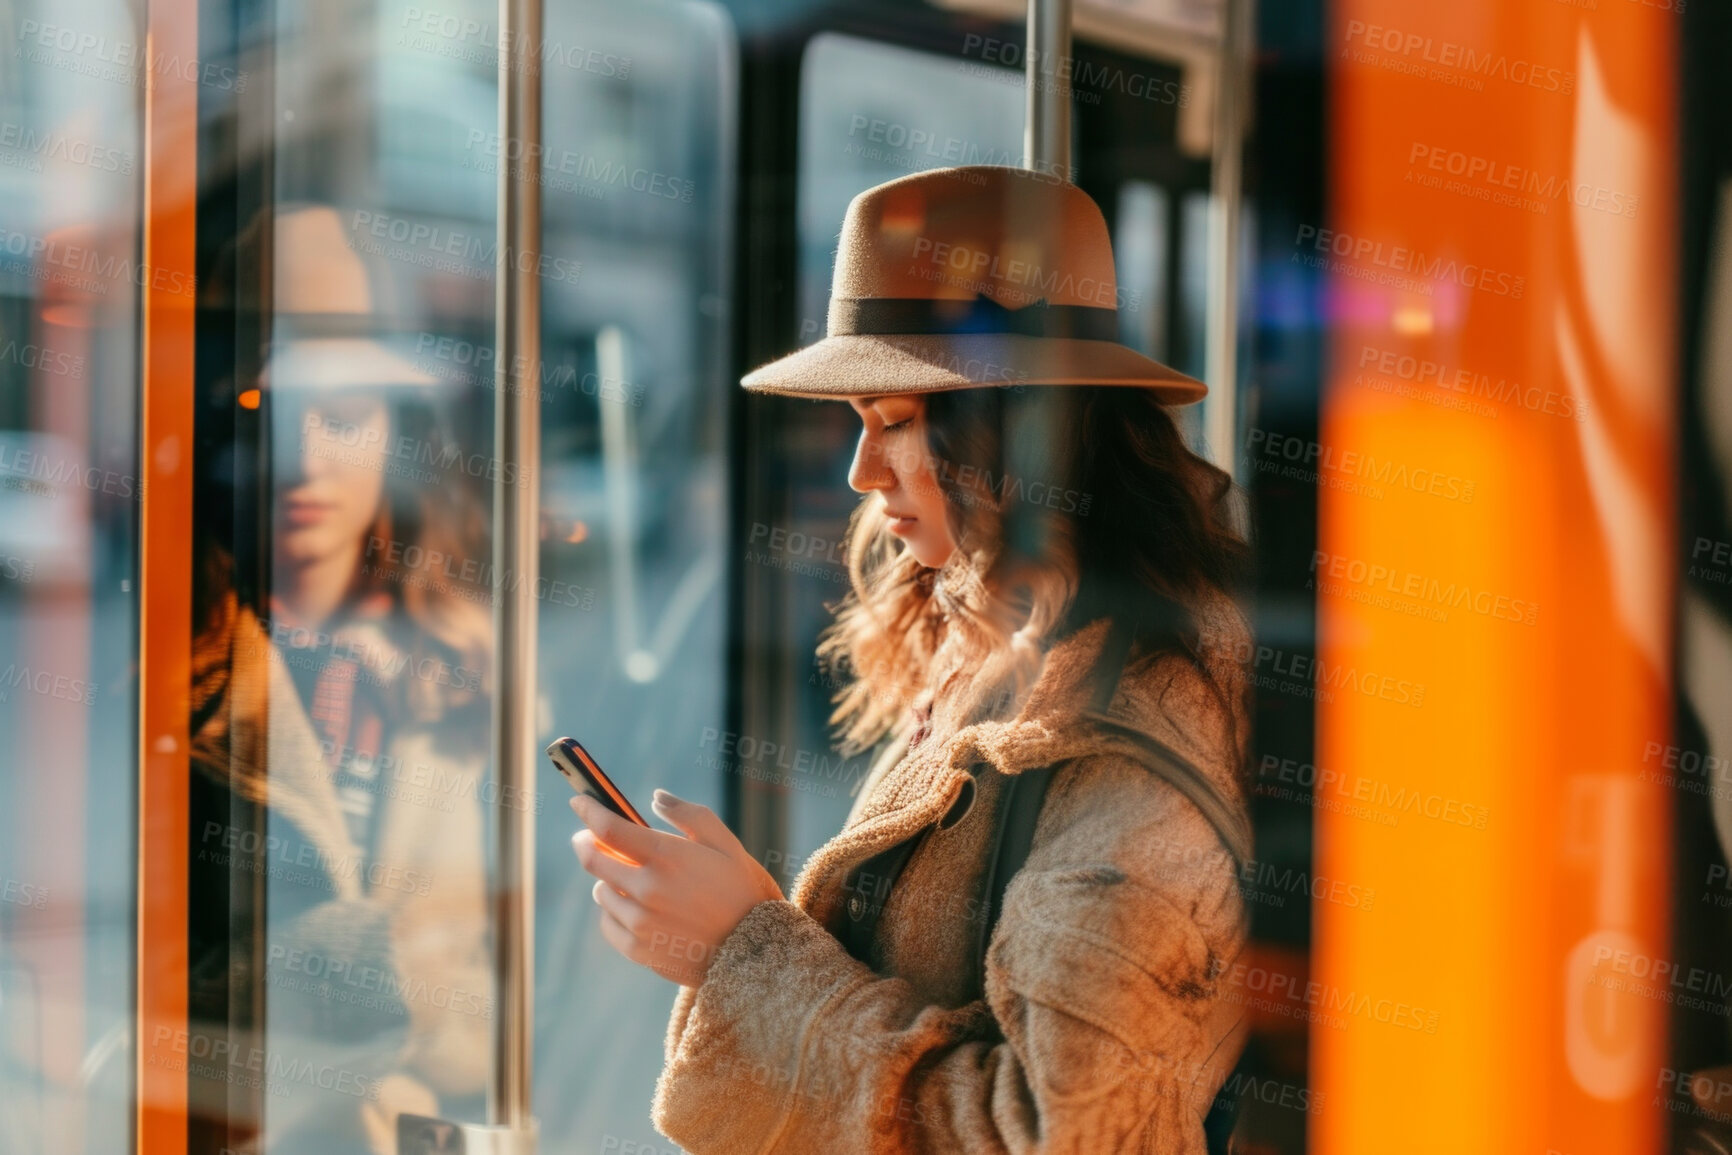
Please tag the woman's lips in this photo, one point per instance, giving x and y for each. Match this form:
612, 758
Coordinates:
901, 525
301, 513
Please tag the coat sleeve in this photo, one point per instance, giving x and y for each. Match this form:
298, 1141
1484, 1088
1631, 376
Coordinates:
1099, 1030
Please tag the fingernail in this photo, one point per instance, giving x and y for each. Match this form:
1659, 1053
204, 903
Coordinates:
662, 796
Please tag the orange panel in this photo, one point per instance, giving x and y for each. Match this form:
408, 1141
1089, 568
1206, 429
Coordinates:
1495, 621
165, 585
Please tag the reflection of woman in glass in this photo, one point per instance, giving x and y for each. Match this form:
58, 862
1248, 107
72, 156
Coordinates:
1040, 594
356, 714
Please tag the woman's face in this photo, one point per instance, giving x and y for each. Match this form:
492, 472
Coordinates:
332, 477
892, 461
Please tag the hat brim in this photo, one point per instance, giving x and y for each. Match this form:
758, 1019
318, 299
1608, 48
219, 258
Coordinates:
341, 363
860, 366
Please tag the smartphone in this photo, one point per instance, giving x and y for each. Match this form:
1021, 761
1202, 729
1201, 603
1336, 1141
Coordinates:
586, 777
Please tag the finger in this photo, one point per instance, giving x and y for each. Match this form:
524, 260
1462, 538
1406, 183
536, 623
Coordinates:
637, 843
610, 868
695, 821
618, 937
625, 909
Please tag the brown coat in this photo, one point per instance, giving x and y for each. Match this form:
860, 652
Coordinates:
1102, 1028
426, 877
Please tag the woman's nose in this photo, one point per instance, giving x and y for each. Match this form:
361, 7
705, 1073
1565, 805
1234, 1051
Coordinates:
870, 471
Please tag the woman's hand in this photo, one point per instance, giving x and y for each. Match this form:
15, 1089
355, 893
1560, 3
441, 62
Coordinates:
671, 906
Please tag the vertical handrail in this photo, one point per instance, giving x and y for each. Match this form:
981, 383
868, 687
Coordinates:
516, 542
1046, 131
1226, 182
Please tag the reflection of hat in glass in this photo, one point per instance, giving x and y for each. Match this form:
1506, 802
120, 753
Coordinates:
324, 328
963, 277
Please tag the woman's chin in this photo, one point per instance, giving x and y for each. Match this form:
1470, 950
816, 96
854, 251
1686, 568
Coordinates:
930, 556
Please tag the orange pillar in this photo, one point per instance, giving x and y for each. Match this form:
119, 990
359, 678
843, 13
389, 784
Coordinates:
1494, 595
165, 575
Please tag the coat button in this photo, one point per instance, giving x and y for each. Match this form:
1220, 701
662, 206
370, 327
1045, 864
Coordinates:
856, 907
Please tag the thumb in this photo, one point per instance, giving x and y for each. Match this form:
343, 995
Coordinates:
696, 821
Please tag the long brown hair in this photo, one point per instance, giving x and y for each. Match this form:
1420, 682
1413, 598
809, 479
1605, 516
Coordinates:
433, 505
1068, 505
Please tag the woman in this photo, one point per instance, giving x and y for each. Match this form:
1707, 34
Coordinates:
1040, 584
350, 713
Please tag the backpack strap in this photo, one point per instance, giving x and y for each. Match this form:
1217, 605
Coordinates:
1026, 792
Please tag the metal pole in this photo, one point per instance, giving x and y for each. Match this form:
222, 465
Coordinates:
1046, 131
1221, 348
516, 540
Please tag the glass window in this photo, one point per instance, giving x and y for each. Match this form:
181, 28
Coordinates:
71, 100
353, 649
639, 174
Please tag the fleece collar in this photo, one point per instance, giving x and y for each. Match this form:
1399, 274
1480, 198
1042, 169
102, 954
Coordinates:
1050, 728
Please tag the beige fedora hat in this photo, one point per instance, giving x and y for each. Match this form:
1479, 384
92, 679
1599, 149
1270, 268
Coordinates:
959, 278
326, 333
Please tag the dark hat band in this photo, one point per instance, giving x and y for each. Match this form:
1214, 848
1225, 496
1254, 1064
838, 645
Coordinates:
908, 316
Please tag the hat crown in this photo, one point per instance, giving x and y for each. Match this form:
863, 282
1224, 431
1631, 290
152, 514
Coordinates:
1011, 235
316, 270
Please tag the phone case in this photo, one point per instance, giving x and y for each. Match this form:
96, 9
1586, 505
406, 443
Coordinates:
586, 777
